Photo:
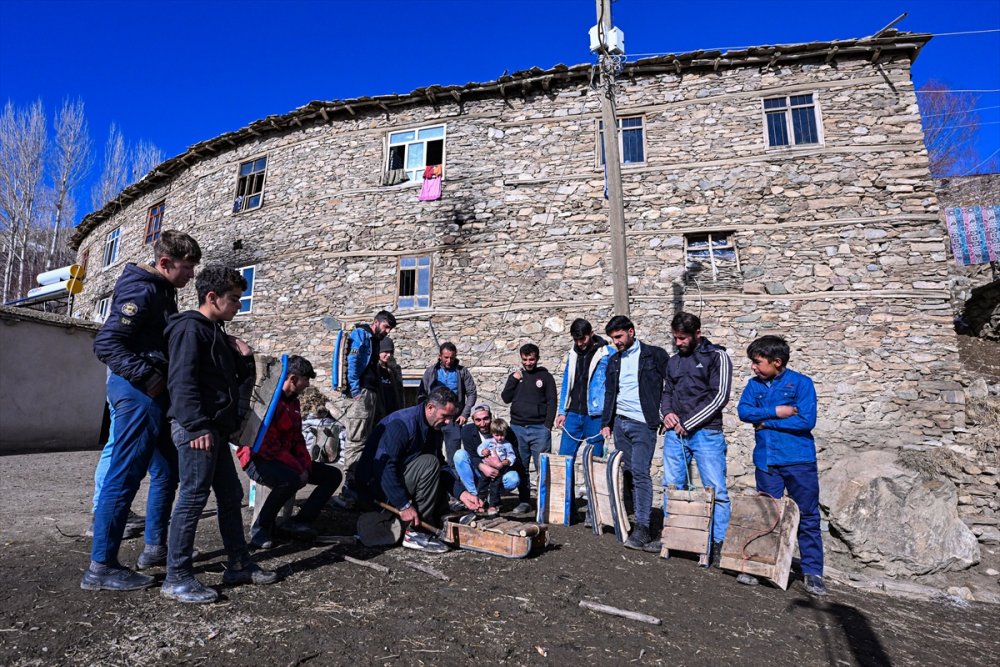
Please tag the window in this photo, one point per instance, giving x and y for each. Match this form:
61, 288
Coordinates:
246, 299
111, 246
414, 282
85, 259
102, 308
250, 186
154, 220
713, 252
631, 143
791, 120
411, 151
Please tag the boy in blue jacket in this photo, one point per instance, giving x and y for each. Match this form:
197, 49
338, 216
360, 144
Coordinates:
781, 405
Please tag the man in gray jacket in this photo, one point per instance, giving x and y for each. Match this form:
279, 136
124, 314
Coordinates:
447, 372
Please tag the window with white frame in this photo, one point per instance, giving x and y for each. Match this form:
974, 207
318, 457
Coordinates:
111, 245
250, 185
412, 151
414, 289
631, 139
102, 308
791, 120
246, 299
711, 257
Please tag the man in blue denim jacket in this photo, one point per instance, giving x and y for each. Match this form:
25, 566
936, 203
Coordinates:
697, 388
581, 399
781, 405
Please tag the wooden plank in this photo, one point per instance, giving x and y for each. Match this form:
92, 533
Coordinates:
689, 509
742, 542
789, 530
696, 495
755, 511
682, 539
748, 566
509, 546
690, 522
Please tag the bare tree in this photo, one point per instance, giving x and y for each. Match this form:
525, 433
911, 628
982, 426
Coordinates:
70, 163
22, 160
114, 173
144, 158
951, 125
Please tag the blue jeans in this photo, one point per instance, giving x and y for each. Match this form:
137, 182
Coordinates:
469, 476
708, 448
203, 471
637, 443
802, 482
581, 427
104, 462
140, 443
532, 440
284, 482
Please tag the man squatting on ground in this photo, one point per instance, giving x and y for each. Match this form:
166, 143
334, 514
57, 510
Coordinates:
471, 467
206, 370
699, 380
131, 342
581, 399
531, 394
634, 387
285, 465
447, 372
781, 405
402, 465
366, 407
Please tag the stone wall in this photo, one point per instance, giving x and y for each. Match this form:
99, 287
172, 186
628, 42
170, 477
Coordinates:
840, 245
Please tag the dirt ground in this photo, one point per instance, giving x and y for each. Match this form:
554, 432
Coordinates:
327, 611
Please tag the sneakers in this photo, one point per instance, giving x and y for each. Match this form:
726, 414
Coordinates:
414, 539
260, 543
248, 573
492, 511
714, 556
522, 508
113, 578
639, 539
151, 556
190, 591
296, 530
746, 579
814, 584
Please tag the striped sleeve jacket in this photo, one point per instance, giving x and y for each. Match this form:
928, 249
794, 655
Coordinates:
698, 386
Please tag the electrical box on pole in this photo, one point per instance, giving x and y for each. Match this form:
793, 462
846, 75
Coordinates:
614, 40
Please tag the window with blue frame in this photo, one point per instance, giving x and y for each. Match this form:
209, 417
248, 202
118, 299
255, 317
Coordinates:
412, 151
791, 121
414, 290
631, 141
246, 299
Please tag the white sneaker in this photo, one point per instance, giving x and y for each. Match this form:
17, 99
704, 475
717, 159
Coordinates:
419, 541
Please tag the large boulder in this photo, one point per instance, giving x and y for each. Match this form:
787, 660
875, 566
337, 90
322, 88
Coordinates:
901, 520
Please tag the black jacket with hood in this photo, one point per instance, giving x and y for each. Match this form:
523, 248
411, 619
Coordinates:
205, 375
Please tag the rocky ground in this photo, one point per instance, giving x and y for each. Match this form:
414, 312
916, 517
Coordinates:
329, 611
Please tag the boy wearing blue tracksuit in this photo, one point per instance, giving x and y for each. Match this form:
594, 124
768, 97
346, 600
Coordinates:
781, 405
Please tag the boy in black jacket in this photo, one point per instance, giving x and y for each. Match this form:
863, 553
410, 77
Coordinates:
531, 394
205, 371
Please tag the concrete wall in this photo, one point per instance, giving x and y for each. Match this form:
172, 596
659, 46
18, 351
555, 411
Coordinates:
51, 384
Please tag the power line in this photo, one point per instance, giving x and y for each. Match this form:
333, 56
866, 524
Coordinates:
946, 127
958, 90
965, 32
955, 113
988, 157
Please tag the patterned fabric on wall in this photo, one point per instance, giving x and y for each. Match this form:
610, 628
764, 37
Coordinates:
974, 233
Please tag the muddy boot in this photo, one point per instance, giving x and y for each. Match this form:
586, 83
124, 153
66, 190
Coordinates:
639, 538
248, 572
100, 577
189, 591
714, 556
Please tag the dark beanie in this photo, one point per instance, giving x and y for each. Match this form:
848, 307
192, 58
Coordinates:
386, 346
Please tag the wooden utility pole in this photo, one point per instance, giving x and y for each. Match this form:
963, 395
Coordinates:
612, 164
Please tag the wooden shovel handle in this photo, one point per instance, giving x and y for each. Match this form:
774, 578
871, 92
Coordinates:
423, 524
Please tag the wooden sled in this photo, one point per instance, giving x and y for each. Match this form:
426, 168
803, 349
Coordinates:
761, 537
605, 492
500, 537
688, 526
555, 489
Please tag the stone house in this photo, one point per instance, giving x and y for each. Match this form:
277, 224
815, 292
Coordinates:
778, 189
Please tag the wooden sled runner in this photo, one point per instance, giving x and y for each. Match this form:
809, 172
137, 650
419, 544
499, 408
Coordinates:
605, 492
761, 537
688, 526
555, 489
500, 537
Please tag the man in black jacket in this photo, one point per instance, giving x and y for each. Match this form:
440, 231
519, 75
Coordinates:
133, 346
531, 394
634, 386
699, 381
207, 367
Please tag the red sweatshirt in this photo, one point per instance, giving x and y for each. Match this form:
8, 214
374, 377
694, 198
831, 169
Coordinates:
283, 441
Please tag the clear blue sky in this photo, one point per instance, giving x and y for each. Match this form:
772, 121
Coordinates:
175, 73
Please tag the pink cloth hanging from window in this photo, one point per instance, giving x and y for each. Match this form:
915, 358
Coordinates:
431, 189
